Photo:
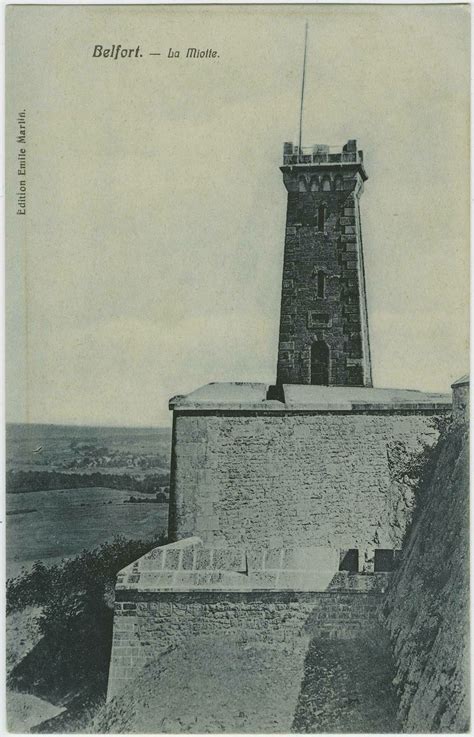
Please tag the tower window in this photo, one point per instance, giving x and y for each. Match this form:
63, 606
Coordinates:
301, 185
321, 277
314, 185
338, 184
318, 319
321, 217
326, 185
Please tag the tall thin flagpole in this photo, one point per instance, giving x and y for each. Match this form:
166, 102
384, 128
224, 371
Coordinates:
302, 88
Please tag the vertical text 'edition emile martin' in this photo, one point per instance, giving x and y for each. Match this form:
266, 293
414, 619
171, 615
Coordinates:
21, 159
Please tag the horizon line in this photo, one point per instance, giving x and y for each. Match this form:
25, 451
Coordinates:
85, 424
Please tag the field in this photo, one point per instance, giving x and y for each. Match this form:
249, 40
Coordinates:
51, 525
48, 525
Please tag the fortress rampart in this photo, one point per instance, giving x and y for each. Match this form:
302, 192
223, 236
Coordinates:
288, 518
187, 589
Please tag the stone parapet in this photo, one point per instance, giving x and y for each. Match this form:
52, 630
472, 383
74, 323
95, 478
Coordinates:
191, 565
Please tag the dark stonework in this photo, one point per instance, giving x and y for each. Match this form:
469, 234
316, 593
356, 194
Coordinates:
324, 336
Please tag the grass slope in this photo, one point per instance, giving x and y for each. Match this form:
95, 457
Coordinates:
211, 685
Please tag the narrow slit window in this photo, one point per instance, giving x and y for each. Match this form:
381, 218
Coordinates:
321, 217
321, 284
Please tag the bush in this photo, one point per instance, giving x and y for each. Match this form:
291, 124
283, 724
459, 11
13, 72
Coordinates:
91, 568
76, 622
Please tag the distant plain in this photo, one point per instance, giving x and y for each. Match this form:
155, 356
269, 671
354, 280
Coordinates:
50, 524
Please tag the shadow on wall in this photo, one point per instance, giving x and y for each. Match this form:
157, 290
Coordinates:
347, 685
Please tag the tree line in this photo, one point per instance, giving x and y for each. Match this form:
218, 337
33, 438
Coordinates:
18, 482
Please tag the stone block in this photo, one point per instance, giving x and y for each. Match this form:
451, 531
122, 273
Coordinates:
151, 564
159, 580
172, 560
274, 558
187, 562
203, 558
229, 559
352, 247
291, 580
255, 559
350, 257
263, 579
207, 578
185, 579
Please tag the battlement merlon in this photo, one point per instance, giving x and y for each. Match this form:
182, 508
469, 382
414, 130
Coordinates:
323, 156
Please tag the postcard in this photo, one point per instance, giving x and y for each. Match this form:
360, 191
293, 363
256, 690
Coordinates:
237, 300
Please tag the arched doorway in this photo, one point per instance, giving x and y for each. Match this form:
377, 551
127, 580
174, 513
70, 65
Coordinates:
320, 363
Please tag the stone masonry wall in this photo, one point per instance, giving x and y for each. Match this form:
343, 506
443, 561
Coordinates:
147, 624
427, 608
294, 479
461, 401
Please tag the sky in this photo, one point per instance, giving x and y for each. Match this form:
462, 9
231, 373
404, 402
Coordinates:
149, 260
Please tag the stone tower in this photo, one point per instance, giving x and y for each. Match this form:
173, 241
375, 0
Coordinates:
324, 335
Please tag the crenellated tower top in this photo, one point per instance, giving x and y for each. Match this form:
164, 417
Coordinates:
323, 155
